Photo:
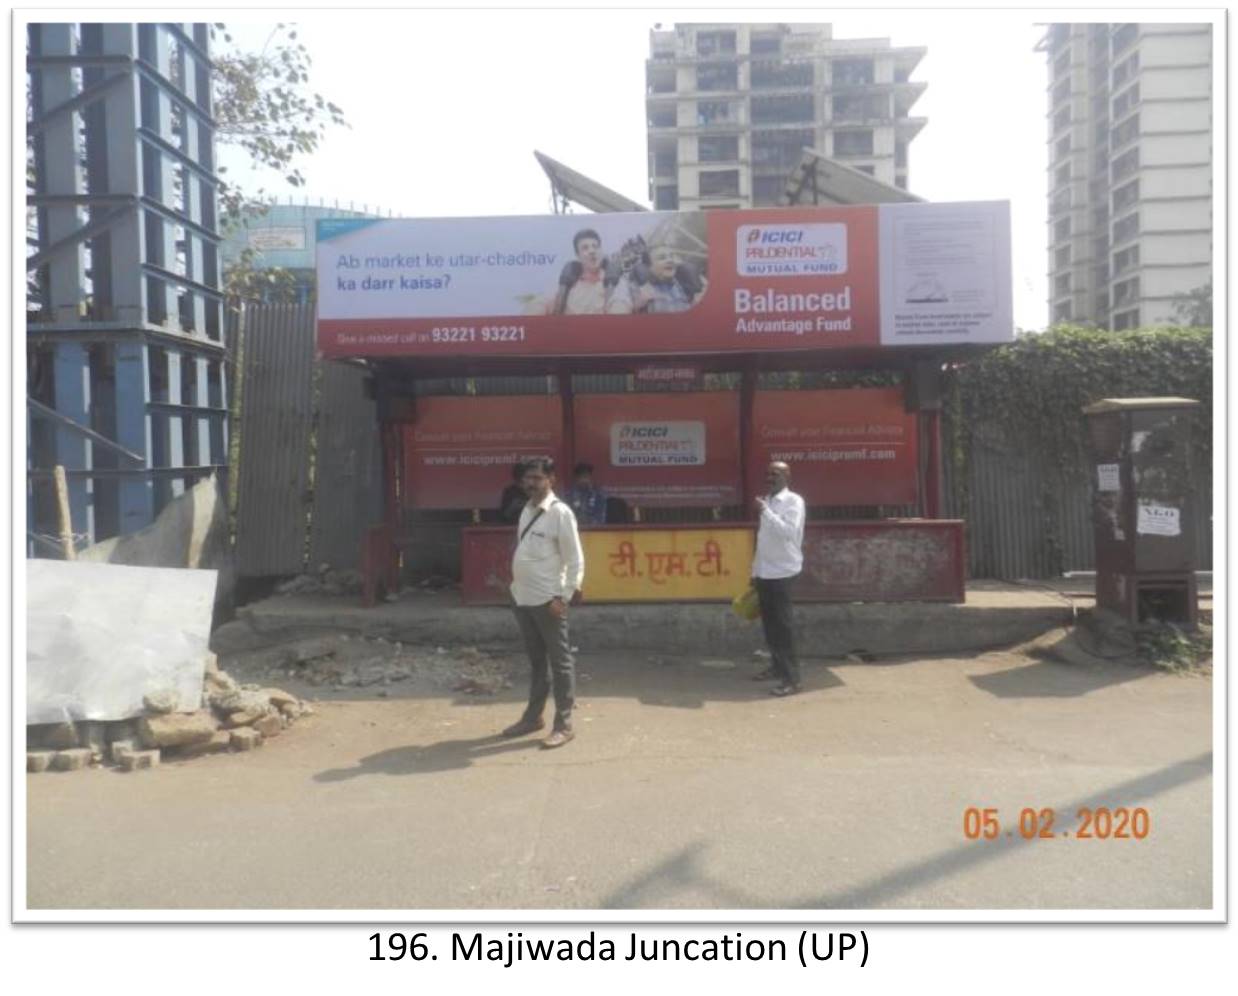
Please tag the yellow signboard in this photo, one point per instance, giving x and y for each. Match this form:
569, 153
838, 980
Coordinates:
662, 565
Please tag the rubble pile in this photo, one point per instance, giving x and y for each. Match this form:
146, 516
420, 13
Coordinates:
327, 581
341, 662
228, 717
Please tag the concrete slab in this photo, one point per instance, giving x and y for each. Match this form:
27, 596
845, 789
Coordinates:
993, 616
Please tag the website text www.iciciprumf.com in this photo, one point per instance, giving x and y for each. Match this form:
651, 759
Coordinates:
833, 456
471, 459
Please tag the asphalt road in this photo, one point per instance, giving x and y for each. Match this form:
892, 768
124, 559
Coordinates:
687, 787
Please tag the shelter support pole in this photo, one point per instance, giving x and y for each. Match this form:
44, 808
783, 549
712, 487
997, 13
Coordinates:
566, 399
747, 402
932, 470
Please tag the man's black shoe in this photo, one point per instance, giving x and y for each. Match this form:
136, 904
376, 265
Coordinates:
769, 674
784, 689
524, 726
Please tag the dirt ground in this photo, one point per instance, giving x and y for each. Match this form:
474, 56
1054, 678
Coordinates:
687, 787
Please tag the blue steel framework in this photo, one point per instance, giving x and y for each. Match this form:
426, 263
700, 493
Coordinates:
125, 317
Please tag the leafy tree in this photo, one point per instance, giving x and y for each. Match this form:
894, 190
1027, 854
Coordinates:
265, 107
1194, 309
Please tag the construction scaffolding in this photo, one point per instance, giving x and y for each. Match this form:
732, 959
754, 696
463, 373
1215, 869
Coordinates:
125, 320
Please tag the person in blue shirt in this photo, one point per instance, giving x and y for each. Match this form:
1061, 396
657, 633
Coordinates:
585, 499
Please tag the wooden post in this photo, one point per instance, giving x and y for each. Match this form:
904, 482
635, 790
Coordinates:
62, 508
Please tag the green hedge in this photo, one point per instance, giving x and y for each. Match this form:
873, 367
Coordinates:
1031, 393
1036, 387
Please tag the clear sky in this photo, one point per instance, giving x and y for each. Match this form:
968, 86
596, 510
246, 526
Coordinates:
446, 109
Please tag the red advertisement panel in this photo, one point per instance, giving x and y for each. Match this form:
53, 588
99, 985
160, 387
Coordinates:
458, 453
846, 447
614, 284
662, 449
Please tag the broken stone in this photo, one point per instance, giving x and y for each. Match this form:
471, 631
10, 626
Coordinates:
210, 664
243, 719
139, 760
290, 709
246, 738
279, 698
176, 729
269, 726
73, 759
219, 743
119, 748
245, 700
39, 760
161, 702
220, 682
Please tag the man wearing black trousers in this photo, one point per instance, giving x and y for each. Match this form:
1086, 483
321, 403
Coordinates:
778, 561
548, 568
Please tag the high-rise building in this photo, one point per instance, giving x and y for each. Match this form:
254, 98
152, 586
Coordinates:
1130, 170
732, 107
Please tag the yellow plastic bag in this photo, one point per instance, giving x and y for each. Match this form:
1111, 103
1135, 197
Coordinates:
748, 605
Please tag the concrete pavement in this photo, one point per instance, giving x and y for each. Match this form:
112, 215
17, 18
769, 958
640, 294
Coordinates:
688, 787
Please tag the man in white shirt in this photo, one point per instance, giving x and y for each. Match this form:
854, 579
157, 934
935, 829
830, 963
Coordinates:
548, 567
778, 561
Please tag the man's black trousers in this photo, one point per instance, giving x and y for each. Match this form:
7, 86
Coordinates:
776, 619
550, 657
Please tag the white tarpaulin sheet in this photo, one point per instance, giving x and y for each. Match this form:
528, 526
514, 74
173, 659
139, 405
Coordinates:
100, 636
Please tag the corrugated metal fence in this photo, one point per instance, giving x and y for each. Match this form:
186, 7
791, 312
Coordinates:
1019, 528
310, 475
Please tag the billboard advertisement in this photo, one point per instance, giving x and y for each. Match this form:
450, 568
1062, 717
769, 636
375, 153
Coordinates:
665, 282
459, 451
662, 449
844, 447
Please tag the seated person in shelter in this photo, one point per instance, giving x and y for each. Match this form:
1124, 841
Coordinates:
662, 285
586, 500
514, 497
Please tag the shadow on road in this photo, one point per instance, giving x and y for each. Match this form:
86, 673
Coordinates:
1053, 680
675, 875
688, 686
883, 891
672, 880
446, 755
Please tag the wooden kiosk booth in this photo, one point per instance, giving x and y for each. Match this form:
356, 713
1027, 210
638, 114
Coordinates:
680, 353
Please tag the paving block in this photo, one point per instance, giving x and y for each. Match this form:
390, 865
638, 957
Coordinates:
139, 759
269, 726
219, 743
39, 760
119, 748
74, 759
246, 738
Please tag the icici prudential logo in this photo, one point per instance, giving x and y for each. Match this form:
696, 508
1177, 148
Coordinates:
792, 250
